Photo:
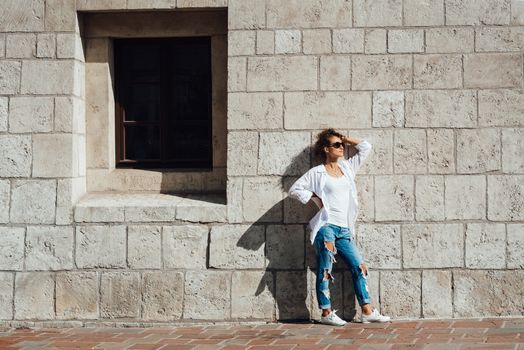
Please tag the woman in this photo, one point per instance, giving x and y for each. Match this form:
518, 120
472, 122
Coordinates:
332, 187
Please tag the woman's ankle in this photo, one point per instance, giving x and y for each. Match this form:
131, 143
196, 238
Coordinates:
367, 309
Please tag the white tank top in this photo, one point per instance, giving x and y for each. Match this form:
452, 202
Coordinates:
337, 193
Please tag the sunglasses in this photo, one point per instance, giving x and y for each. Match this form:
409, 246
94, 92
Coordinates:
336, 144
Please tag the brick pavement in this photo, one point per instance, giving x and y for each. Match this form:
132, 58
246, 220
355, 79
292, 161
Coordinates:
495, 334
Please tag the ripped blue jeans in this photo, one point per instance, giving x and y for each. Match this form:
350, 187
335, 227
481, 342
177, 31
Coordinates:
344, 245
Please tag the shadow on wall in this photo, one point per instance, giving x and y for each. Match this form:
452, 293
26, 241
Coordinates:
290, 256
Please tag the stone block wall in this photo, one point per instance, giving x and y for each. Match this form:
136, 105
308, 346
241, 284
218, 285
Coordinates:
436, 86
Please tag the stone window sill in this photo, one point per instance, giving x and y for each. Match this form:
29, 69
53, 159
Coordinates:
150, 207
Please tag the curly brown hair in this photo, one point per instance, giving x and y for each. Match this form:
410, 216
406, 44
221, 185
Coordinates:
323, 141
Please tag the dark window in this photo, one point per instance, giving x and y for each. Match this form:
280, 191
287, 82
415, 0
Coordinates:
163, 103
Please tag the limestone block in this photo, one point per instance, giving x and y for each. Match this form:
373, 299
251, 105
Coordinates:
144, 246
388, 108
22, 16
387, 254
50, 77
120, 295
89, 5
262, 199
441, 156
34, 296
10, 77
517, 12
158, 4
252, 295
60, 15
315, 110
405, 40
478, 150
70, 114
282, 73
515, 246
465, 197
316, 41
234, 199
380, 160
335, 73
381, 72
437, 71
69, 45
288, 41
266, 42
348, 40
33, 201
493, 70
308, 13
6, 295
236, 73
31, 114
207, 295
409, 151
99, 214
68, 192
2, 45
184, 246
46, 163
377, 13
45, 45
437, 294
366, 200
477, 12
241, 42
485, 246
77, 295
200, 3
423, 13
394, 197
429, 194
246, 14
15, 155
375, 40
456, 108
162, 295
501, 107
101, 246
292, 294
260, 110
513, 150
21, 45
400, 293
284, 153
242, 152
500, 39
237, 247
506, 197
4, 111
497, 293
194, 209
284, 246
5, 194
149, 214
444, 40
49, 248
12, 253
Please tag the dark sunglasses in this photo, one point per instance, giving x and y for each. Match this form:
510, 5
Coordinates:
336, 144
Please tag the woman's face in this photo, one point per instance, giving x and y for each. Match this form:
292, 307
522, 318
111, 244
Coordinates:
332, 150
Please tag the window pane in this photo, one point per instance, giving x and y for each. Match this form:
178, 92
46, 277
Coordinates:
144, 103
142, 142
188, 143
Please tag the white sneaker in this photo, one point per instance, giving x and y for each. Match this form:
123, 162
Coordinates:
332, 319
375, 316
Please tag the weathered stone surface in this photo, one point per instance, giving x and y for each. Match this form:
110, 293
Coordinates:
45, 161
400, 293
10, 77
252, 295
348, 40
101, 246
515, 246
20, 45
497, 293
485, 245
45, 45
493, 70
163, 4
194, 209
284, 153
441, 154
120, 294
162, 295
338, 110
237, 246
381, 72
68, 192
394, 197
501, 107
34, 296
405, 40
77, 295
379, 13
70, 115
456, 108
335, 73
69, 45
380, 160
248, 14
207, 295
241, 43
316, 41
12, 253
423, 13
82, 5
429, 191
308, 14
465, 197
513, 150
85, 213
22, 16
432, 245
500, 39
242, 152
444, 40
409, 151
284, 246
50, 77
262, 199
234, 197
366, 198
477, 12
292, 294
4, 110
2, 45
375, 40
437, 71
49, 248
478, 150
6, 295
517, 12
144, 246
388, 108
288, 41
185, 246
31, 114
436, 294
60, 15
149, 214
387, 254
266, 42
506, 197
33, 201
261, 110
236, 73
282, 73
5, 194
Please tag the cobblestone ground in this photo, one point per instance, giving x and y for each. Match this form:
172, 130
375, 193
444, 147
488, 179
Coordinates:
496, 334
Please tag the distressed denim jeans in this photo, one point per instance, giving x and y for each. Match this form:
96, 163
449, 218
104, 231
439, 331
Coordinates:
344, 245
